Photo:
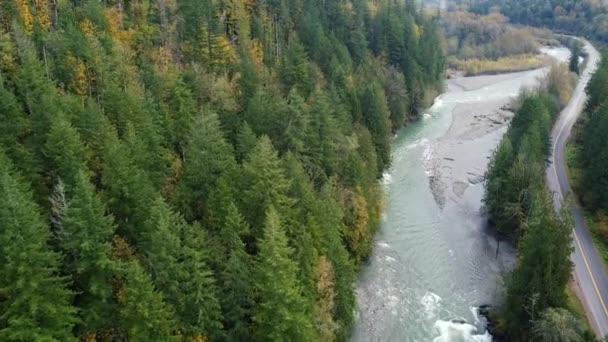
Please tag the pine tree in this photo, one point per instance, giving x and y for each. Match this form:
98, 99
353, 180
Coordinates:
544, 270
175, 252
235, 277
298, 119
278, 315
129, 188
183, 112
65, 148
322, 136
207, 157
265, 184
245, 141
83, 233
143, 313
35, 301
575, 52
15, 137
223, 193
296, 69
376, 117
495, 199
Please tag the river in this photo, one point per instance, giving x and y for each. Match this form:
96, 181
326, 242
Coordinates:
433, 260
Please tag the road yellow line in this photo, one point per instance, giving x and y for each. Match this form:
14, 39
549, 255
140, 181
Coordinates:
580, 247
597, 290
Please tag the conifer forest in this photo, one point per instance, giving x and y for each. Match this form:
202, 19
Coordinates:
187, 170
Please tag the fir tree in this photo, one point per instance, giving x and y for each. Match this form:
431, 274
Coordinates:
83, 233
265, 184
36, 302
545, 268
175, 252
278, 314
235, 277
207, 156
143, 313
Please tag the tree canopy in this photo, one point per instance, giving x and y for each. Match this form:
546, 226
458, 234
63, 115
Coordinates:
198, 170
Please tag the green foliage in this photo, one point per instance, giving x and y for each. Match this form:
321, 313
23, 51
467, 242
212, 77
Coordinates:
176, 255
377, 118
264, 185
138, 123
594, 150
83, 233
279, 313
488, 37
207, 156
558, 325
517, 166
521, 210
235, 277
544, 270
574, 56
144, 314
36, 303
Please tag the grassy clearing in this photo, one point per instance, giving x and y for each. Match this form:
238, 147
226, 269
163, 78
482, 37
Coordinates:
476, 66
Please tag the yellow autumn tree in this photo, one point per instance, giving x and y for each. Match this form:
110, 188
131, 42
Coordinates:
356, 219
216, 51
114, 17
257, 52
26, 15
42, 13
325, 325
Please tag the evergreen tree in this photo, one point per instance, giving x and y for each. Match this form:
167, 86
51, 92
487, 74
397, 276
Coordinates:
235, 277
265, 185
376, 118
544, 270
15, 138
183, 111
322, 135
575, 53
175, 252
65, 148
143, 313
329, 217
207, 157
245, 141
36, 303
83, 234
128, 187
296, 69
278, 314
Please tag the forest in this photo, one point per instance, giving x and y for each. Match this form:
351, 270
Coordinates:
198, 170
521, 209
587, 18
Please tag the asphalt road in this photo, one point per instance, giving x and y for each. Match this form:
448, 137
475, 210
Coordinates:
589, 271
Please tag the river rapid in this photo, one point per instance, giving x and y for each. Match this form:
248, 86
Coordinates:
434, 261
